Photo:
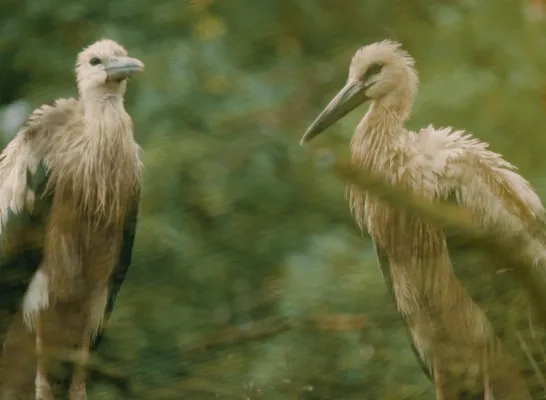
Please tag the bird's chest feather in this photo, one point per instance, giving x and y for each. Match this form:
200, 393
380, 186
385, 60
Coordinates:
81, 247
392, 224
405, 237
415, 249
95, 179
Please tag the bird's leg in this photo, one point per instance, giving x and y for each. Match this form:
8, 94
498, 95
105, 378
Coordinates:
486, 379
438, 380
95, 315
78, 389
43, 388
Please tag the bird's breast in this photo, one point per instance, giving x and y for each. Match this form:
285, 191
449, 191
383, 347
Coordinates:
394, 227
416, 250
81, 250
425, 287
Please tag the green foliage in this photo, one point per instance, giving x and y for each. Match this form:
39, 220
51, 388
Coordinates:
239, 224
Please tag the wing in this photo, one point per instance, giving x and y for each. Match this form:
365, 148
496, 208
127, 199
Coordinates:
24, 204
501, 201
118, 276
383, 260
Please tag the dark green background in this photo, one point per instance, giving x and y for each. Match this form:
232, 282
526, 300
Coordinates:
242, 231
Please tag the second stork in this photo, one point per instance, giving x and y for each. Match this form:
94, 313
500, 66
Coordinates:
452, 328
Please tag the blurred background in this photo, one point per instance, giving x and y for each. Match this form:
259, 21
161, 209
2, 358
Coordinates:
250, 279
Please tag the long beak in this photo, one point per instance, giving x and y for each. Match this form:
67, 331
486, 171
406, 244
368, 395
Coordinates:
351, 96
119, 68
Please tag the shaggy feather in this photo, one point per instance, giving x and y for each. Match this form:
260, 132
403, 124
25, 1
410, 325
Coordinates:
445, 322
78, 163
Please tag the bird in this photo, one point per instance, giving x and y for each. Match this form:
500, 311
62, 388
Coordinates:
450, 306
70, 188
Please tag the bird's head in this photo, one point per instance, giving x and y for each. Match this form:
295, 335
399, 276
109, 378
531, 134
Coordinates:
381, 72
103, 68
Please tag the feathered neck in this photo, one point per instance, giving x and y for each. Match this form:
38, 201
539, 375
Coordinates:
378, 137
100, 167
377, 147
107, 127
94, 107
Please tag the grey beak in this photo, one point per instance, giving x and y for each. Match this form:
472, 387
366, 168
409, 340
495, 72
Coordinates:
351, 96
119, 68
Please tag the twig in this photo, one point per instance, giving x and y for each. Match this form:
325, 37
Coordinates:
93, 364
504, 251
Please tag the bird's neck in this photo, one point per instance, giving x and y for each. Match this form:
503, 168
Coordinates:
105, 118
378, 137
108, 169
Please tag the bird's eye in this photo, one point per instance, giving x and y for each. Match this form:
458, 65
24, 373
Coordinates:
373, 69
94, 61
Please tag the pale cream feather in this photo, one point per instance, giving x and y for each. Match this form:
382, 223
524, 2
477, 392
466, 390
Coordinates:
433, 163
93, 161
23, 155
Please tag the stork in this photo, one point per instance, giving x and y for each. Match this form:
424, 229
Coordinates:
69, 197
451, 331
